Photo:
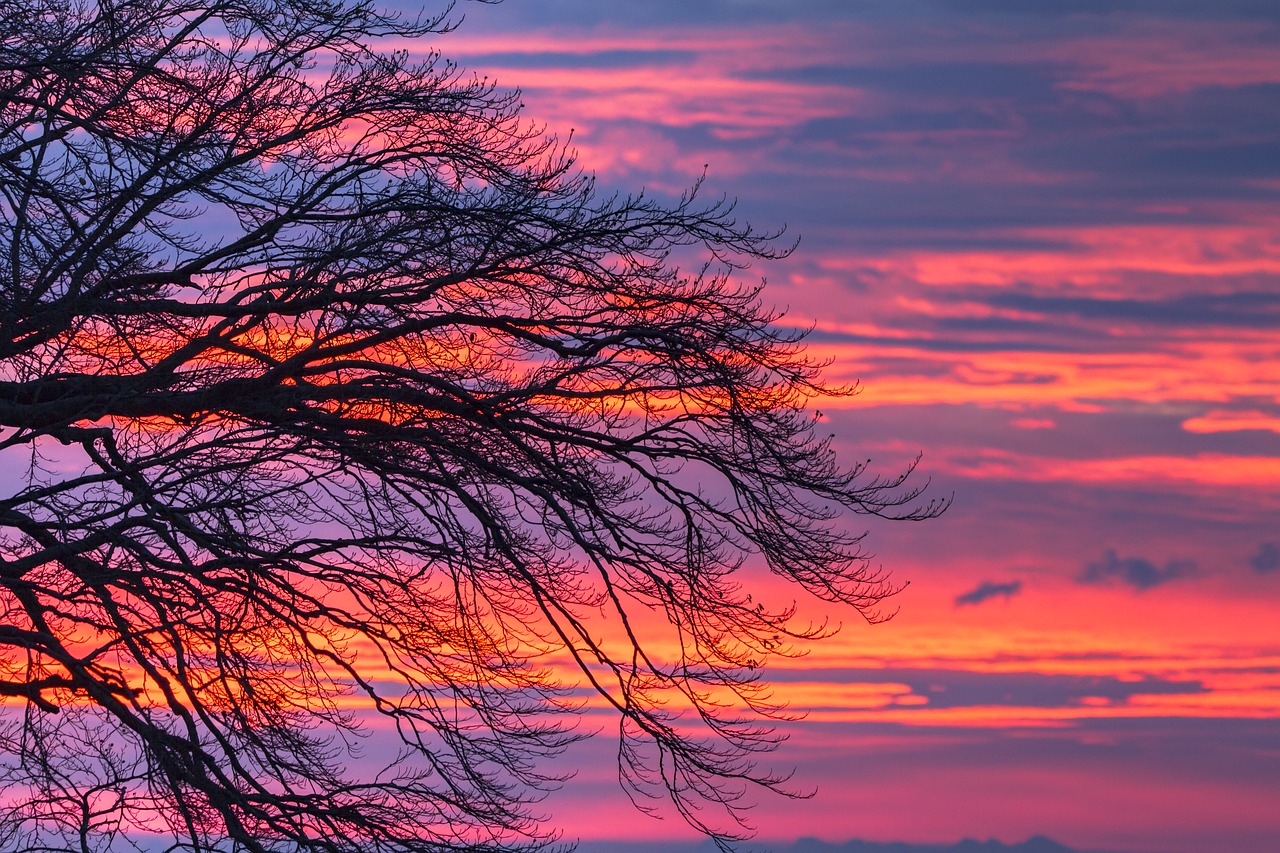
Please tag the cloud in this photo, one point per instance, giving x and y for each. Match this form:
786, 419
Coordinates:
1035, 844
988, 590
1232, 420
1135, 572
932, 688
1267, 559
1245, 309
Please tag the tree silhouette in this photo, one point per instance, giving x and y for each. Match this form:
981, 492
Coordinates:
338, 408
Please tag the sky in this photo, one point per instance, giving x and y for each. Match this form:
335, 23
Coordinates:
1044, 238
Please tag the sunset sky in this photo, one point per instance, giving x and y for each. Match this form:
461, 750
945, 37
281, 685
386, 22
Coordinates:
1045, 238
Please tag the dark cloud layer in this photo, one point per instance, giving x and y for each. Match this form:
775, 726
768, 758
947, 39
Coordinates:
586, 60
1074, 14
1231, 762
953, 97
1037, 844
1257, 310
955, 688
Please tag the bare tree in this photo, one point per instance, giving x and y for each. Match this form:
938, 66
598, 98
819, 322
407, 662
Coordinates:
338, 407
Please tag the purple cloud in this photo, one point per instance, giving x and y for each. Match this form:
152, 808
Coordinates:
988, 590
1267, 559
1136, 572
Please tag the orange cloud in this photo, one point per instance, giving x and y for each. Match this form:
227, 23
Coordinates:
1220, 420
1099, 260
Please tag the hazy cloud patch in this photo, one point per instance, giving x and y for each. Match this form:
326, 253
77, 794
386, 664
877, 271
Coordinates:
1136, 572
1267, 559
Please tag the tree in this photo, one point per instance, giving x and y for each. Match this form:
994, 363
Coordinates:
333, 393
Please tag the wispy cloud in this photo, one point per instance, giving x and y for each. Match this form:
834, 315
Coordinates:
988, 590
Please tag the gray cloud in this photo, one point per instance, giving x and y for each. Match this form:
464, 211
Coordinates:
1136, 572
932, 345
959, 688
1241, 309
965, 80
595, 59
1267, 559
988, 590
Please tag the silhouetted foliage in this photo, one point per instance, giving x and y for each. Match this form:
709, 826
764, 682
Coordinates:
336, 407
